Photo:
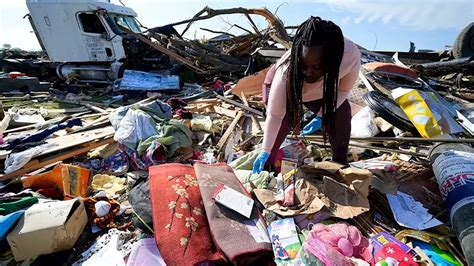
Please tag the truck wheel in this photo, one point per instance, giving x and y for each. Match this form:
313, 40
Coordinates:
389, 110
464, 44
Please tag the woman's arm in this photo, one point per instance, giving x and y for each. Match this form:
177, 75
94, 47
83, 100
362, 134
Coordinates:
350, 74
276, 109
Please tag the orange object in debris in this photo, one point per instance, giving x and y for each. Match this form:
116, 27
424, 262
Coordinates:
15, 74
251, 85
72, 180
390, 68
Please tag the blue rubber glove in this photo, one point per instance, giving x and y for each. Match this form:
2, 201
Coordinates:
313, 126
260, 162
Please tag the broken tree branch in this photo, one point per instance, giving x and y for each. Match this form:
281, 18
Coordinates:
279, 33
218, 32
255, 28
242, 28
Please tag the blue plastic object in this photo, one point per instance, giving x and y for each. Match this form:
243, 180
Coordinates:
313, 126
260, 162
7, 223
147, 81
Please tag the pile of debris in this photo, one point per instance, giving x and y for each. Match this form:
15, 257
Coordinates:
155, 168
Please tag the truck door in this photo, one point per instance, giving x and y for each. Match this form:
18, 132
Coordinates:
96, 38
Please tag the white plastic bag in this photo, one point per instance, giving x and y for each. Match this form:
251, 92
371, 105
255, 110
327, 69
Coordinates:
363, 124
136, 125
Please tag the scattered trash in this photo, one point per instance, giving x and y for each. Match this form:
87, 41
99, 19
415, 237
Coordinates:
142, 146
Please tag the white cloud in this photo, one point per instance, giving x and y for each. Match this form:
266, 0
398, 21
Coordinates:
416, 15
346, 20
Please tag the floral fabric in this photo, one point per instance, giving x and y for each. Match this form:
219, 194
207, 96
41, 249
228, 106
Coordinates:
179, 220
228, 228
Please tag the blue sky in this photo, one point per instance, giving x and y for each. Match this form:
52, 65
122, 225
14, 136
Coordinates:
379, 25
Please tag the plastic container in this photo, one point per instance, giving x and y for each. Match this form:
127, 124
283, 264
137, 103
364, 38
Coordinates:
453, 166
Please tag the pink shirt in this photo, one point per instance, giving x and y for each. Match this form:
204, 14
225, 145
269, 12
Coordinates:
276, 76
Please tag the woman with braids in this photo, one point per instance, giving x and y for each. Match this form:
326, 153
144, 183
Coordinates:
318, 72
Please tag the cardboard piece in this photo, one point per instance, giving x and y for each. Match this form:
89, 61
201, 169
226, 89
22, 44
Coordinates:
251, 85
72, 180
47, 228
313, 191
322, 168
344, 201
305, 200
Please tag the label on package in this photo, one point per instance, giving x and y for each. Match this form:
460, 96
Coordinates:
454, 171
234, 200
257, 230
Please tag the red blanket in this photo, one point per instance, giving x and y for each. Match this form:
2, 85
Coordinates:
179, 219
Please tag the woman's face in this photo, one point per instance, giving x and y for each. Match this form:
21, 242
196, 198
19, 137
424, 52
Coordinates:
312, 63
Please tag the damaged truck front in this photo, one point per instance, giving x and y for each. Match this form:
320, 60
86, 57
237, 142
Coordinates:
85, 40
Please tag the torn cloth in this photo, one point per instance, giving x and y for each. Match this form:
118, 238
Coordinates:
15, 161
245, 162
172, 135
44, 133
133, 124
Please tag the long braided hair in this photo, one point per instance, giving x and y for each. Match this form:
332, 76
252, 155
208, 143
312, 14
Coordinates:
315, 32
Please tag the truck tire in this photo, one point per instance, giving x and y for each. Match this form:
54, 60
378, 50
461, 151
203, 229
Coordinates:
389, 110
464, 44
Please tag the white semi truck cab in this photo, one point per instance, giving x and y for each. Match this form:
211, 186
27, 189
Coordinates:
83, 36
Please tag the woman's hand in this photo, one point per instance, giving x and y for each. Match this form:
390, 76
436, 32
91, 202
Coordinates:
260, 162
313, 126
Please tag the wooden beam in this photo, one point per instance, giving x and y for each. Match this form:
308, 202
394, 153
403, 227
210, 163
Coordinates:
163, 50
57, 158
243, 106
405, 139
225, 111
96, 109
5, 123
254, 120
365, 81
228, 132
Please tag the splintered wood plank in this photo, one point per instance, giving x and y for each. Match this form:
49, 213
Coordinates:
56, 158
255, 122
69, 141
228, 132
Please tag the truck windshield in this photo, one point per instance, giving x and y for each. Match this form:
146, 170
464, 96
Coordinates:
127, 22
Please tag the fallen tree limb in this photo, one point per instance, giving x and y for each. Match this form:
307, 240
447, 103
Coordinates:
275, 24
218, 32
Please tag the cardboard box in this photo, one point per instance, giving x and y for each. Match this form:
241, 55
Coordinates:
47, 228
